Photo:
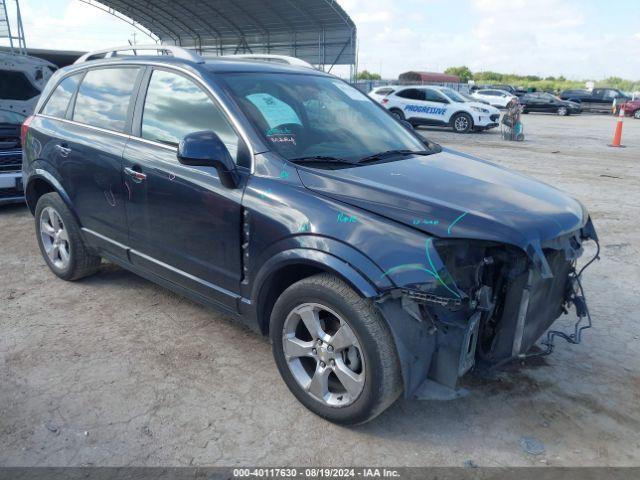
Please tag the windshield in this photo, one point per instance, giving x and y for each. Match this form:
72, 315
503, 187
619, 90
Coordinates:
453, 95
303, 116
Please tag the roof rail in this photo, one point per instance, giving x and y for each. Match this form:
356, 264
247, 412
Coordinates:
174, 50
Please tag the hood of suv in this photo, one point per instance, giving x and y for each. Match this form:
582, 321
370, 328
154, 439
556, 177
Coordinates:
484, 106
454, 195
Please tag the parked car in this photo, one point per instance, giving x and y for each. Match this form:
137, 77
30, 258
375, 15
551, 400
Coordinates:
470, 98
496, 98
599, 100
440, 106
379, 93
22, 78
504, 87
378, 262
11, 190
547, 103
632, 108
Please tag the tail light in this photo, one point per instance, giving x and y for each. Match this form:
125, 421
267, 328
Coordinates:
385, 100
24, 129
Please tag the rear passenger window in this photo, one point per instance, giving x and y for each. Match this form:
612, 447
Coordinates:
412, 93
175, 107
104, 97
59, 100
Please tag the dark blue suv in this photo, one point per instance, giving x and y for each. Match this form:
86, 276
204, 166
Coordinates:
377, 262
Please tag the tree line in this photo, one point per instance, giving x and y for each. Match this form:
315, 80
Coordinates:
525, 81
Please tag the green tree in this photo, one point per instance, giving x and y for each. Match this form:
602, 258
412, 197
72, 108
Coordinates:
367, 75
462, 72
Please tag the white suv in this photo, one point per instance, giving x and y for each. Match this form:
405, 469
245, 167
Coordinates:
497, 98
438, 106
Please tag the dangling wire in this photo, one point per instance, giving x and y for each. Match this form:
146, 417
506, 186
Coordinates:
575, 337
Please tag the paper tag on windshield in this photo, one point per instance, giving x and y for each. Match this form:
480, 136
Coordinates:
274, 111
351, 92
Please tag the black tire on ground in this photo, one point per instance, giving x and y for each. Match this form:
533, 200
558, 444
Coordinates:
563, 111
462, 122
81, 262
637, 114
396, 112
383, 381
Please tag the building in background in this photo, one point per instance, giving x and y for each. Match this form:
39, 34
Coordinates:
427, 77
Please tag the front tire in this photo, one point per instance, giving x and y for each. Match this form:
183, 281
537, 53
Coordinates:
462, 123
563, 111
59, 240
334, 350
637, 115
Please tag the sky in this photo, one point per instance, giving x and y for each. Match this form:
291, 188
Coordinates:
580, 39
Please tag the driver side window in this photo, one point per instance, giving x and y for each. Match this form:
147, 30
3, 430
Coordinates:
175, 106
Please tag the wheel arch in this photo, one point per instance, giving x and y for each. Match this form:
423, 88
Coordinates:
458, 112
291, 266
41, 182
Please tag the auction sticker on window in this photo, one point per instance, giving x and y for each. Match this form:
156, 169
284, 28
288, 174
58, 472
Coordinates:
274, 111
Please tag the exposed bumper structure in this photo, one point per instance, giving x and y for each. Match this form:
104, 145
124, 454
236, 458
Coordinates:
506, 302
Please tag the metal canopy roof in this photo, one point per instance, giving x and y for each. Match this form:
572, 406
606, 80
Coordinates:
318, 31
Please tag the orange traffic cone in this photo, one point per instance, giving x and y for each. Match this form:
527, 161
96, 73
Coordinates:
617, 136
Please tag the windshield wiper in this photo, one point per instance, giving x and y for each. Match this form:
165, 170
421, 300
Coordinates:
321, 159
392, 153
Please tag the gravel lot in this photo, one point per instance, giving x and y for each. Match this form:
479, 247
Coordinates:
113, 370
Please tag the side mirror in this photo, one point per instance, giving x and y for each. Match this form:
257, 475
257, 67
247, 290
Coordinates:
205, 149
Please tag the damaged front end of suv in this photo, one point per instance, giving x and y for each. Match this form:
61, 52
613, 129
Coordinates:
477, 303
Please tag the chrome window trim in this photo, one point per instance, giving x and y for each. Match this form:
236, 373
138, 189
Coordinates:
232, 119
154, 143
85, 125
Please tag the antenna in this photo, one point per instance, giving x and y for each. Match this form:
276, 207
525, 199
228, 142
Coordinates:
17, 42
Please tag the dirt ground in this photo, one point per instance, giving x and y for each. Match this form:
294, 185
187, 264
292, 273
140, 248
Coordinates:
114, 370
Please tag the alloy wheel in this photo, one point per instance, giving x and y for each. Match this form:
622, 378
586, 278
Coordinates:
637, 114
323, 354
55, 238
562, 111
461, 124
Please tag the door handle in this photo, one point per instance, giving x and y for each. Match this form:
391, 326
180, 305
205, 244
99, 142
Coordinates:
63, 149
135, 174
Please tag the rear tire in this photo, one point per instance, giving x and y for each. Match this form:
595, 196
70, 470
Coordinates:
345, 378
462, 123
396, 112
60, 241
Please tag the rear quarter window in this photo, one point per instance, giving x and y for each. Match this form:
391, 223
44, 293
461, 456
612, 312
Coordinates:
58, 102
104, 97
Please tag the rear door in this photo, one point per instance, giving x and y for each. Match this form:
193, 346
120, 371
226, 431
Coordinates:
409, 101
91, 152
82, 130
184, 225
437, 110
